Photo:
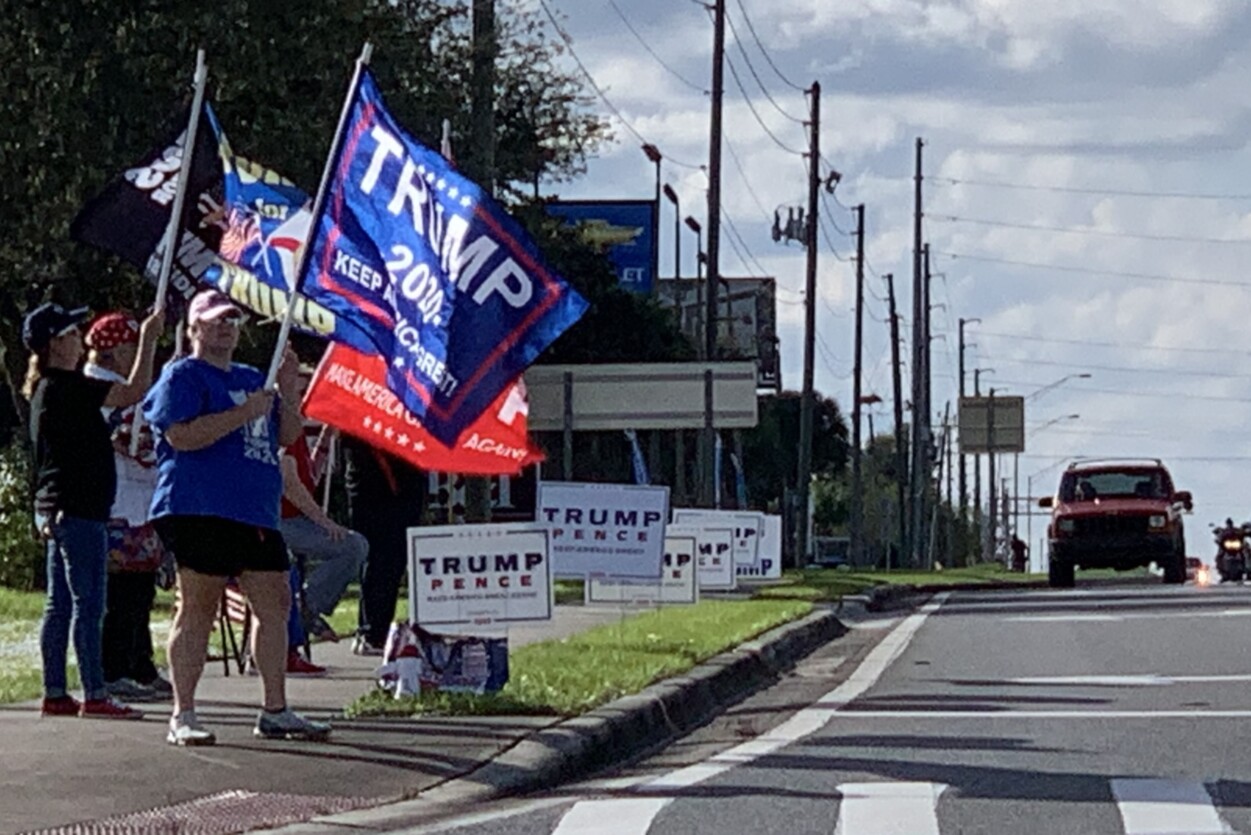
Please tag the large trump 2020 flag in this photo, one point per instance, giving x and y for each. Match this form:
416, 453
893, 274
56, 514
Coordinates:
451, 291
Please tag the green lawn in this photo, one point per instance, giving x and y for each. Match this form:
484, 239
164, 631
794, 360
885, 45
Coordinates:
579, 673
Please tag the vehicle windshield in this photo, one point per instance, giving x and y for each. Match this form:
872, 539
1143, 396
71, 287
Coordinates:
1086, 486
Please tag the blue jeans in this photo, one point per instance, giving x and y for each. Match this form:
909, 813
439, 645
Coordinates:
77, 587
330, 565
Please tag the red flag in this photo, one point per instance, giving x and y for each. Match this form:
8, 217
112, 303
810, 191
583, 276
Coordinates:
349, 392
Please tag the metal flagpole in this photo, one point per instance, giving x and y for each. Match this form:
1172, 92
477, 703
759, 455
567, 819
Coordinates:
173, 231
318, 206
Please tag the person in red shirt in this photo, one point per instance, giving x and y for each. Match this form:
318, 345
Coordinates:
332, 554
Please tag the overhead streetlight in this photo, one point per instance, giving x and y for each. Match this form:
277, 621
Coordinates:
1039, 392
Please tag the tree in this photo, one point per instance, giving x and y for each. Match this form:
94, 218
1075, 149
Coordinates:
770, 452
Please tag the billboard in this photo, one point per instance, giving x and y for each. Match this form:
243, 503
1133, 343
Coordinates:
647, 395
975, 420
624, 230
747, 320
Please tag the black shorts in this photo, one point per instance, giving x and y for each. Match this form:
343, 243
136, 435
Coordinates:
221, 547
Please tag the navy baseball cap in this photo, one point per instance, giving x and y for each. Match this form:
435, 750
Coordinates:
48, 321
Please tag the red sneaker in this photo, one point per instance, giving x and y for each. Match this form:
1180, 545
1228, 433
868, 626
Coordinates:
60, 706
108, 709
298, 665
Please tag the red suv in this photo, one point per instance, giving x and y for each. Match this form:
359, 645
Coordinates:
1120, 514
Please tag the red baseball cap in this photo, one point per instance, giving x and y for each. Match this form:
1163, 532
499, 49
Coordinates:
112, 329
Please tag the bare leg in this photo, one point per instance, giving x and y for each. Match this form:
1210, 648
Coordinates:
269, 594
198, 598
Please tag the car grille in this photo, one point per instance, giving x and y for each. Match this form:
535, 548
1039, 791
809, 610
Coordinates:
1110, 525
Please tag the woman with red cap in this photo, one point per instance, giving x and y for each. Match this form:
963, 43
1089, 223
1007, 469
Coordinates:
135, 551
75, 486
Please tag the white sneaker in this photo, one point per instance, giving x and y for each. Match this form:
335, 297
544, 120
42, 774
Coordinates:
287, 724
185, 729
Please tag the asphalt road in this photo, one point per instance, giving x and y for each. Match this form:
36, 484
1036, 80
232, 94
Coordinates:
1121, 709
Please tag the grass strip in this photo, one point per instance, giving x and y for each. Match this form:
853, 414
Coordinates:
831, 584
571, 676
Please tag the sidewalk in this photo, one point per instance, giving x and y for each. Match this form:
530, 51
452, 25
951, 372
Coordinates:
59, 772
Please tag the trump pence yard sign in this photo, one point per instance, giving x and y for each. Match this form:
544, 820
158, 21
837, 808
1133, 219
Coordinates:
479, 575
604, 530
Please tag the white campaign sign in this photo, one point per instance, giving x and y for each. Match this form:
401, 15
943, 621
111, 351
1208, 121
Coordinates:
747, 526
612, 531
714, 549
677, 585
769, 556
479, 575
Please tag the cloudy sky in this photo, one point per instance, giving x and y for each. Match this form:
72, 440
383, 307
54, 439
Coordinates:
1087, 198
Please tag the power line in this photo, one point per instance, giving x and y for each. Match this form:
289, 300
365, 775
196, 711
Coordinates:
697, 87
751, 28
1093, 271
738, 82
1079, 230
734, 233
1112, 192
1140, 346
829, 213
752, 69
568, 41
738, 163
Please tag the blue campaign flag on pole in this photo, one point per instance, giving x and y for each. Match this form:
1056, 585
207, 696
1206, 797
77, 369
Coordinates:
265, 220
637, 463
443, 282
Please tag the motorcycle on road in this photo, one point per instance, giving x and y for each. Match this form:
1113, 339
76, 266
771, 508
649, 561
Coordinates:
1232, 560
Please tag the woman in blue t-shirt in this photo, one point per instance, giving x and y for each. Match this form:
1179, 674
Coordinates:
219, 440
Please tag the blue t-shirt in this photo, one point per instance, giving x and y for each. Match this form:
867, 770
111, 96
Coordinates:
236, 478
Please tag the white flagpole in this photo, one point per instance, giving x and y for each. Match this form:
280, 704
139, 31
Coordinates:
173, 233
319, 203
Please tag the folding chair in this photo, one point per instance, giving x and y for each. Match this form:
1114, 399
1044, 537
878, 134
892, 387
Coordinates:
233, 612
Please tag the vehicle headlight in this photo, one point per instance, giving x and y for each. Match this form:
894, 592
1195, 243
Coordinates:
1157, 521
1232, 545
1066, 526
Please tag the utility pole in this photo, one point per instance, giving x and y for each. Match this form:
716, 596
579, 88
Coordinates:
977, 470
920, 443
857, 483
901, 463
950, 552
929, 452
713, 273
485, 47
963, 480
991, 484
807, 404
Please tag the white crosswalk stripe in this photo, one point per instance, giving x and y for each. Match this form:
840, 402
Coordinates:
622, 816
1167, 807
888, 808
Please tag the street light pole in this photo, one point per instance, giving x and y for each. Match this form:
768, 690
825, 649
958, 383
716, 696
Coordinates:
653, 154
677, 232
693, 225
964, 484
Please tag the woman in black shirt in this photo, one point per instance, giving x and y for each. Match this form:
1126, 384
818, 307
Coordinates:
75, 482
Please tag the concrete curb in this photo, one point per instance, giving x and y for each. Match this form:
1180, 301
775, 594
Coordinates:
612, 734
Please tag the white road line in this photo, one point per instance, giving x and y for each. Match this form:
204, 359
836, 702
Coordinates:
888, 808
809, 720
1141, 680
1099, 618
619, 816
982, 715
1167, 807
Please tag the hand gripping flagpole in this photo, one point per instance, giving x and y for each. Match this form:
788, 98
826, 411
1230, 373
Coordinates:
319, 204
173, 233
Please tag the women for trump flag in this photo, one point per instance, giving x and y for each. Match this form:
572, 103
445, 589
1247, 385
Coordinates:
451, 291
